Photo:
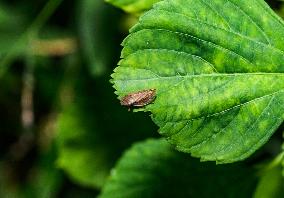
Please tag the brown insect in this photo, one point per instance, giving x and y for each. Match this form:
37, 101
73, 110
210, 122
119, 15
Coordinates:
139, 99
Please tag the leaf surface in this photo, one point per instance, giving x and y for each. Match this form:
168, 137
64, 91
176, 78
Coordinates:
218, 69
154, 169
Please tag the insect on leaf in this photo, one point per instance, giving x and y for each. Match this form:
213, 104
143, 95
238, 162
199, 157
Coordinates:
139, 99
217, 67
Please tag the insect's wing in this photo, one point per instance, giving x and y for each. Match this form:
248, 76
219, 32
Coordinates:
144, 98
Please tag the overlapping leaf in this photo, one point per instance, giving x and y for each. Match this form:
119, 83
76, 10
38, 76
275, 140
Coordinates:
154, 169
217, 67
271, 183
133, 6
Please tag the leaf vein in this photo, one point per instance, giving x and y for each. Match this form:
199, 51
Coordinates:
205, 41
211, 135
225, 110
251, 20
256, 120
176, 52
217, 13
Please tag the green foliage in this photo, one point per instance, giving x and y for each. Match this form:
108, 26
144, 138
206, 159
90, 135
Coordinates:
12, 22
271, 183
45, 181
97, 39
10, 18
133, 6
154, 169
83, 161
282, 162
86, 151
218, 70
80, 154
217, 67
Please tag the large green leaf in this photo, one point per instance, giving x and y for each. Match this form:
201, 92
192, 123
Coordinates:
154, 169
133, 6
218, 69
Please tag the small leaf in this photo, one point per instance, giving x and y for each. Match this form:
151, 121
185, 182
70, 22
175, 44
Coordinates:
153, 169
133, 6
271, 183
218, 69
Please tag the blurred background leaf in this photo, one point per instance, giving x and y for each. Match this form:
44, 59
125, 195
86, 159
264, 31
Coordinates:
271, 182
133, 6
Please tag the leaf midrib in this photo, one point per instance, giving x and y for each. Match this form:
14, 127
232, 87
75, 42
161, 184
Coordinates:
200, 75
200, 39
215, 75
